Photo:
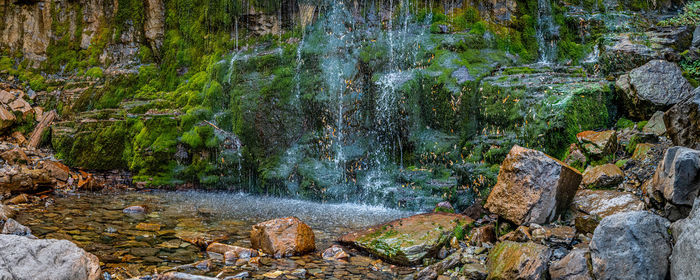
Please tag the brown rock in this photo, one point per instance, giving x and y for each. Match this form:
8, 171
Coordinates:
576, 157
407, 241
483, 234
19, 137
603, 176
574, 266
58, 170
6, 212
6, 118
512, 260
148, 227
38, 114
641, 151
239, 252
532, 187
135, 209
6, 97
590, 206
520, 234
283, 237
199, 239
598, 143
19, 105
18, 199
39, 129
15, 156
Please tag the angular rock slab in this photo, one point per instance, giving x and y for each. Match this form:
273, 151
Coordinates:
407, 241
654, 86
678, 175
532, 187
631, 245
603, 176
685, 260
656, 124
592, 205
283, 237
574, 266
25, 258
597, 143
683, 122
512, 260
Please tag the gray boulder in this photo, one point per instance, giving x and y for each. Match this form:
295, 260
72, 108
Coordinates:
678, 176
683, 122
685, 260
15, 228
631, 245
25, 258
654, 86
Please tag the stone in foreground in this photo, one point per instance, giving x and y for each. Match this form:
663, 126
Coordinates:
631, 245
26, 258
407, 241
603, 176
683, 122
678, 176
573, 266
512, 260
655, 86
685, 260
283, 237
592, 205
532, 187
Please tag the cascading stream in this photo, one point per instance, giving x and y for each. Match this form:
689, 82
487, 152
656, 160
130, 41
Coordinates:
547, 33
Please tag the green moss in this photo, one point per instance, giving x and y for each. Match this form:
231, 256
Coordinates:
623, 123
94, 72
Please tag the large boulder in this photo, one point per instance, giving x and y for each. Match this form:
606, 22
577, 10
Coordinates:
602, 176
590, 206
654, 86
407, 241
683, 122
283, 237
631, 245
532, 187
512, 260
7, 118
574, 266
25, 258
685, 260
678, 176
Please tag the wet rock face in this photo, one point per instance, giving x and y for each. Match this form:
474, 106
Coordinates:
512, 260
683, 122
631, 245
25, 258
685, 260
407, 241
283, 237
532, 187
603, 176
678, 176
572, 267
656, 124
655, 86
592, 205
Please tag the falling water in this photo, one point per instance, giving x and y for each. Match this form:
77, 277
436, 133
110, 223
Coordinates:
546, 32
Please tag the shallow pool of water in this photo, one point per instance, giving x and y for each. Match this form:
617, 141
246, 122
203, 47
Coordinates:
140, 244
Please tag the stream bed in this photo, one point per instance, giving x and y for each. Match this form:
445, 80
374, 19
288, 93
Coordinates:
130, 245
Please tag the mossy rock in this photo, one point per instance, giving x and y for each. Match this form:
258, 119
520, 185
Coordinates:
512, 260
409, 240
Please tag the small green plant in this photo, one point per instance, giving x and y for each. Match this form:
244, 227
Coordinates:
94, 72
689, 16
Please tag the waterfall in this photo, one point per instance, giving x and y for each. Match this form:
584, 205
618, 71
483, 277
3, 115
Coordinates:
547, 33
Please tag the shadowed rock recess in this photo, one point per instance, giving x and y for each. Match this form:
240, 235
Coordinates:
349, 139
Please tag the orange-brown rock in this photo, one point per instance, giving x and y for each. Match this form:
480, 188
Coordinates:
148, 227
532, 187
7, 118
15, 156
483, 234
199, 239
283, 237
602, 176
598, 143
409, 240
57, 170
